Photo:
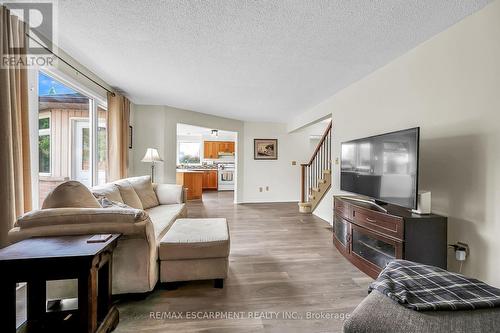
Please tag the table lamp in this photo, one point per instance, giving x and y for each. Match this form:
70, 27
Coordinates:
152, 157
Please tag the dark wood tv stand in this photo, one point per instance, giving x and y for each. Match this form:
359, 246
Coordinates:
370, 237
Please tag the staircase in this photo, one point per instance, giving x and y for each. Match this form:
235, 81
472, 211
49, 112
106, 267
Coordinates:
316, 176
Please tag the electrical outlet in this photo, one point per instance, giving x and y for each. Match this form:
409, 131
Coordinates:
260, 189
267, 188
461, 250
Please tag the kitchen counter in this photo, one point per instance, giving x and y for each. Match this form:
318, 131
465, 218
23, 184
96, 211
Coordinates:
198, 169
193, 181
197, 180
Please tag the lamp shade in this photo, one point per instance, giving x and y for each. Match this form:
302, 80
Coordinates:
152, 156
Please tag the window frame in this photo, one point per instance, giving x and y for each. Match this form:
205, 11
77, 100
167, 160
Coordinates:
70, 147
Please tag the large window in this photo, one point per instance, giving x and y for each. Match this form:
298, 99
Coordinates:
189, 152
72, 135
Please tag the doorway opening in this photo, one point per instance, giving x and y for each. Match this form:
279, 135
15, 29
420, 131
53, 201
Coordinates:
206, 161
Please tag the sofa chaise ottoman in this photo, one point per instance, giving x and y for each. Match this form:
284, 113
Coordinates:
195, 249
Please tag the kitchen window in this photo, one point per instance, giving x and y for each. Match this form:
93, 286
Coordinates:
189, 153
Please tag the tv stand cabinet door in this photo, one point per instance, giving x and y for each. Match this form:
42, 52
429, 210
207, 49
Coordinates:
342, 234
371, 252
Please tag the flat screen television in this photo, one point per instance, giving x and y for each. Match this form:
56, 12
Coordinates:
383, 167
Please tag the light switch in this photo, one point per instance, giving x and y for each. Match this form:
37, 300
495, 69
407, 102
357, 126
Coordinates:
337, 161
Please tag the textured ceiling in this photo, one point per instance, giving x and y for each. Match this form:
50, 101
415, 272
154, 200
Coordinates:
248, 60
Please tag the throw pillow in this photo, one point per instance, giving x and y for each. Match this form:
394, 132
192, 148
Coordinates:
169, 194
71, 194
144, 189
109, 191
128, 194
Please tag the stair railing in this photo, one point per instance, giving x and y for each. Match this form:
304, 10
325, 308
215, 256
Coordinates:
321, 160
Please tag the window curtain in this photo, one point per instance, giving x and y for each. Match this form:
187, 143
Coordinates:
118, 129
15, 173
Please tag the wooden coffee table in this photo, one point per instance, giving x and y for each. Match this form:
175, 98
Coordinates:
39, 259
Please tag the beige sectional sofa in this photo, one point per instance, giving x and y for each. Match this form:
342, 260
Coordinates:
71, 209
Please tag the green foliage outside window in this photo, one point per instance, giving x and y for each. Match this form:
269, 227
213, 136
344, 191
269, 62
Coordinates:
189, 159
44, 123
44, 153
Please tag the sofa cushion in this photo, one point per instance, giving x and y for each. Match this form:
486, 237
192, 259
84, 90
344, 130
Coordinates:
169, 194
109, 191
70, 194
144, 189
128, 194
85, 216
163, 216
195, 239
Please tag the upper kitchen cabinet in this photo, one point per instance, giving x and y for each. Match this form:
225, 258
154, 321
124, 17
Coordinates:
212, 149
226, 147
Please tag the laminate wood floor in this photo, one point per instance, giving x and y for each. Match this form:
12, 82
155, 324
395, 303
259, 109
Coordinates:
285, 275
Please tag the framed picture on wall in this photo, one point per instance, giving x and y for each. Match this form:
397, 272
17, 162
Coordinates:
130, 136
265, 149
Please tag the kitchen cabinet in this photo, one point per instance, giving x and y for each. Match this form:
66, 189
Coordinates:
210, 180
226, 147
213, 148
193, 181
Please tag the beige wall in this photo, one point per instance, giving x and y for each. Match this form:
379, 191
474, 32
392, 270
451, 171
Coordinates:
282, 178
450, 87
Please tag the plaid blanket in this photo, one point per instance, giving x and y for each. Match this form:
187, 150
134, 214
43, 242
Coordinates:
422, 288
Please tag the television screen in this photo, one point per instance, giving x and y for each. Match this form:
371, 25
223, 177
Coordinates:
383, 167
